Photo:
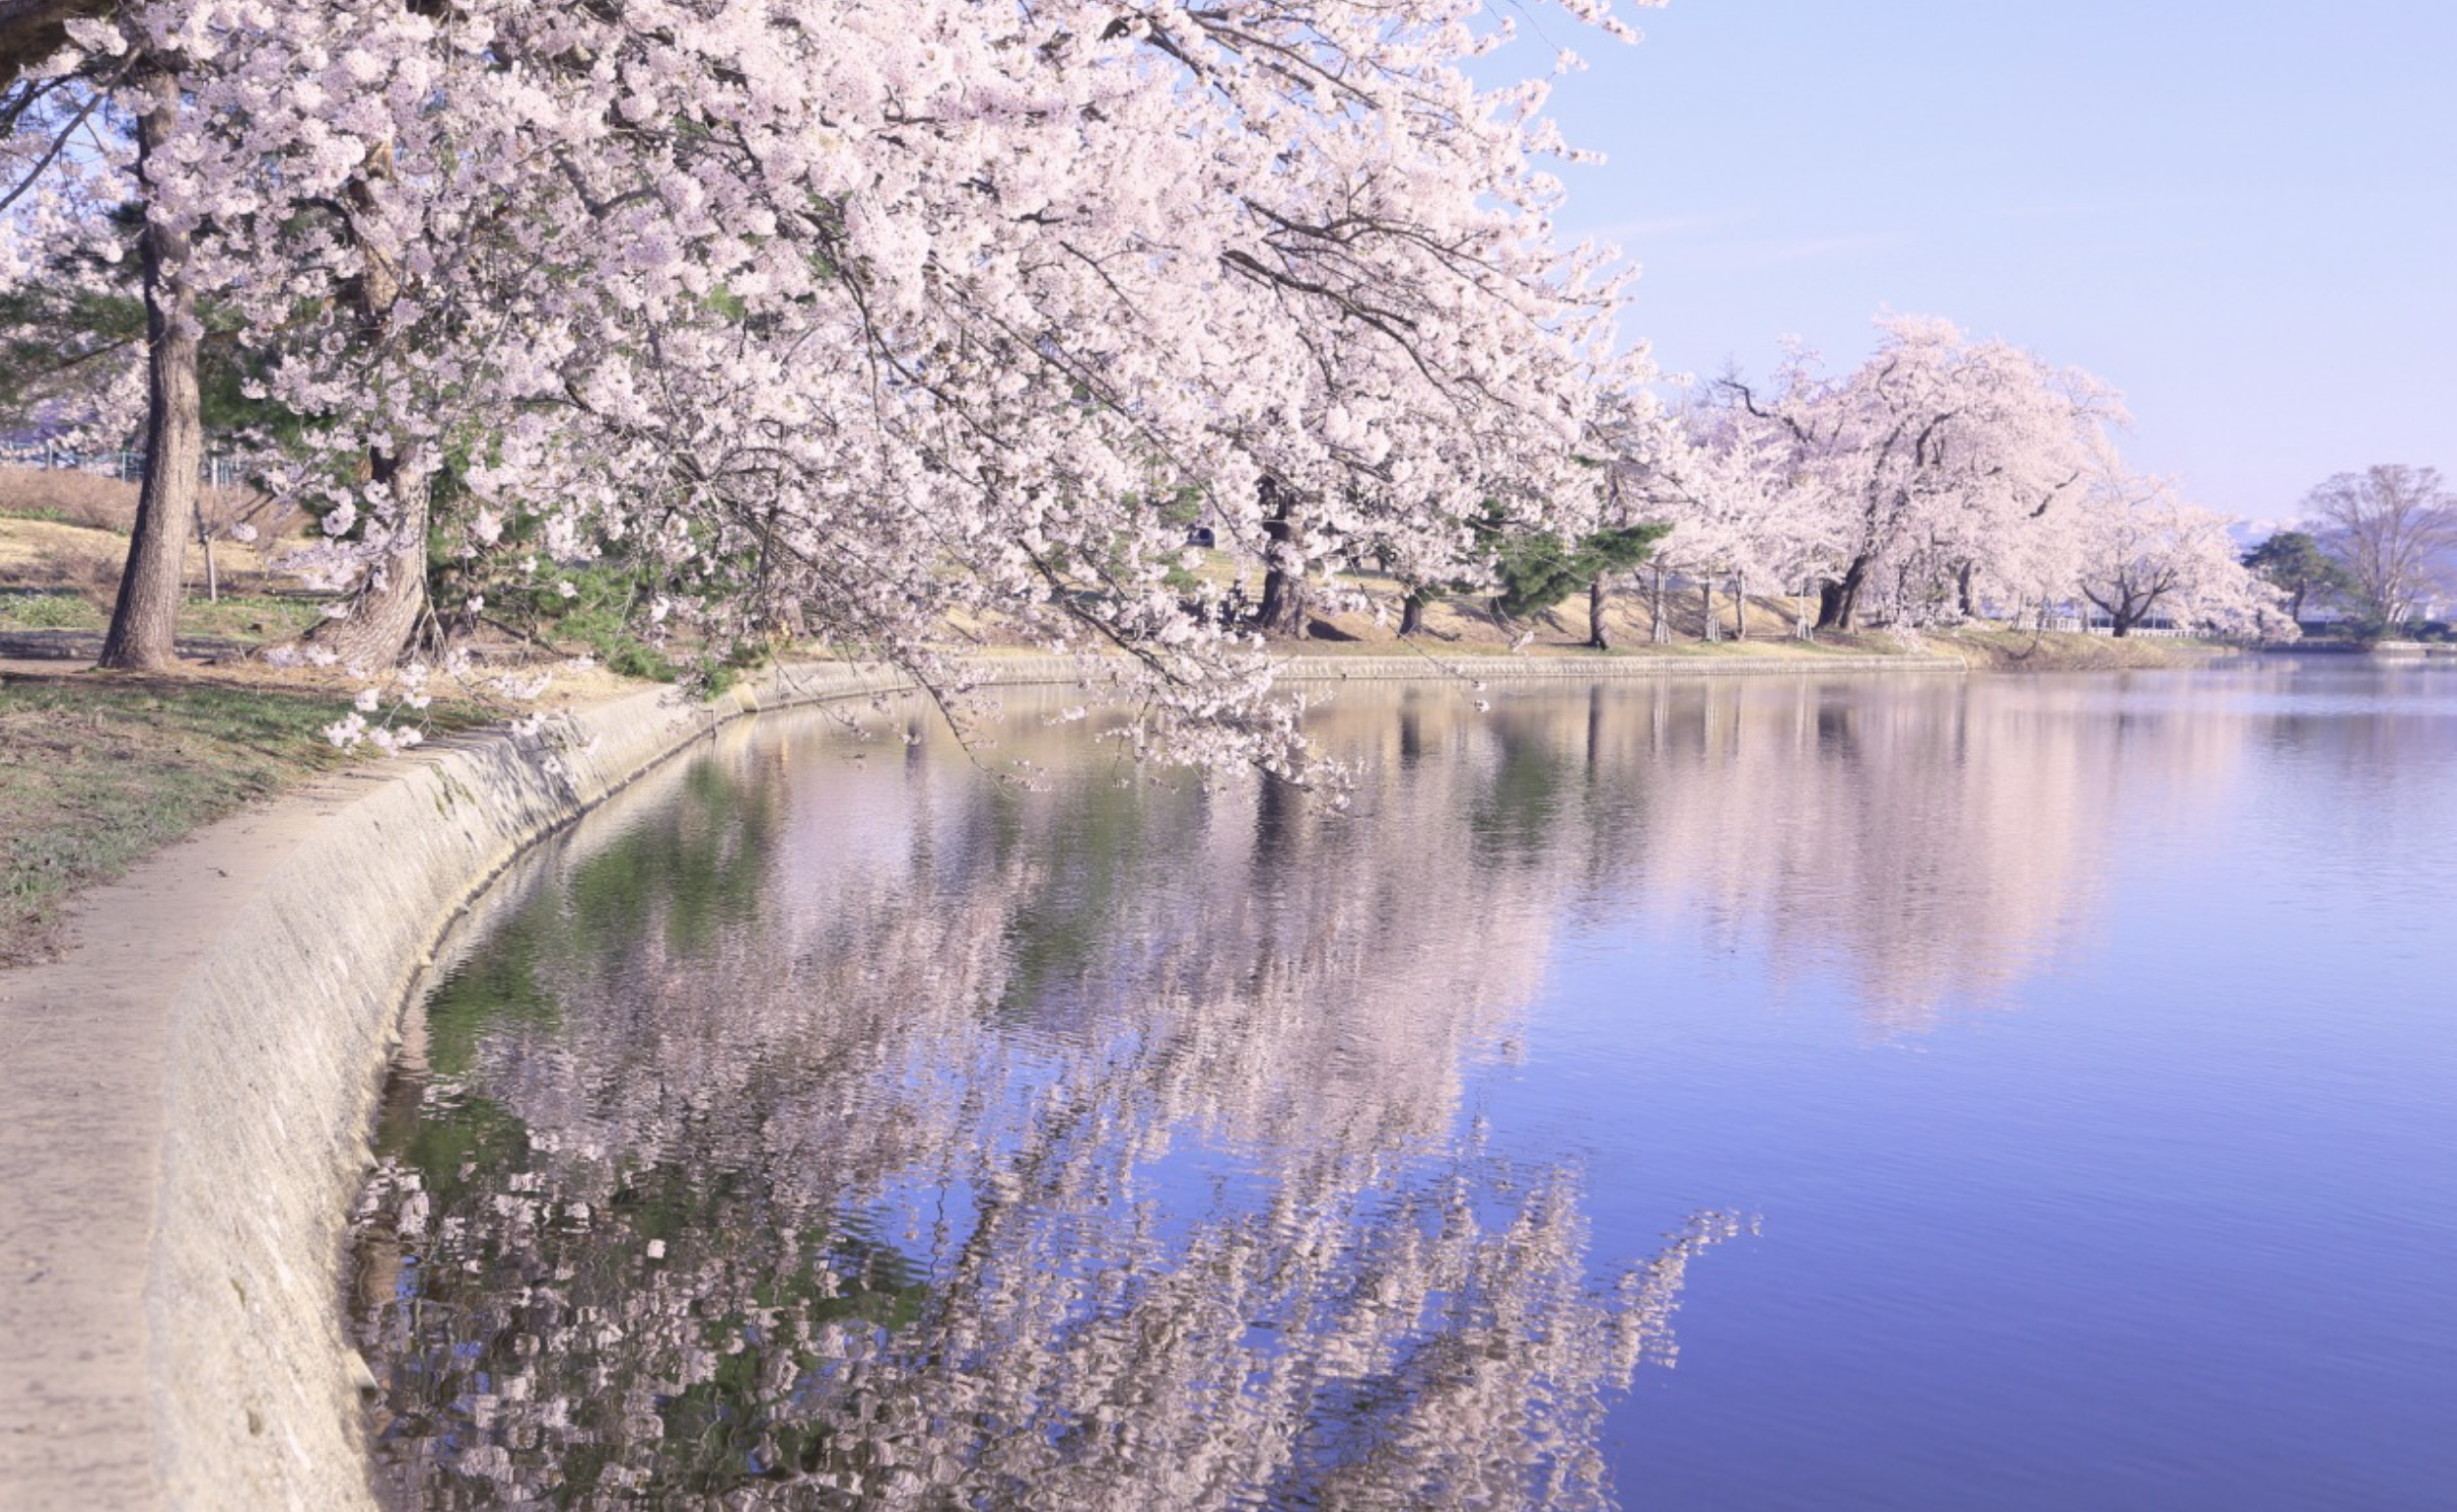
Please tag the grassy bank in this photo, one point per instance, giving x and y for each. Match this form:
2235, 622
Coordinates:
97, 772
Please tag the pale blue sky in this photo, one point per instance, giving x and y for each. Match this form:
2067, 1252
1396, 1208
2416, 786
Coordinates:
2242, 215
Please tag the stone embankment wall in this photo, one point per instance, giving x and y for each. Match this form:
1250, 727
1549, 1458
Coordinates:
184, 1101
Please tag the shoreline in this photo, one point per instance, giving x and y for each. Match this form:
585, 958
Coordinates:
186, 1098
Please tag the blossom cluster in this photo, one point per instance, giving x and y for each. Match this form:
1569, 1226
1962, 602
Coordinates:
843, 317
1944, 479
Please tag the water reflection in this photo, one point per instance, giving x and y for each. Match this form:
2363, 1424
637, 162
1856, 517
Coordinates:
1934, 845
846, 1127
863, 1132
1929, 843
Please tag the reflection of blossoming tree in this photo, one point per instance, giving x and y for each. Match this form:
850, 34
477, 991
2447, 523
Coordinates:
1927, 842
975, 1147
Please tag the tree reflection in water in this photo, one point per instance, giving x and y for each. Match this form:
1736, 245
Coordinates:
867, 1133
853, 1128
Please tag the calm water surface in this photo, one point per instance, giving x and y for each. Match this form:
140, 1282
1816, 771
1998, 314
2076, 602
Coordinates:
2013, 1093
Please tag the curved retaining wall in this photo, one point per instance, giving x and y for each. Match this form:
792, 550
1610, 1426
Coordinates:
183, 1106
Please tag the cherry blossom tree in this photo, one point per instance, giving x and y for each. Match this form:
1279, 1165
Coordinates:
59, 64
2148, 551
1742, 505
860, 315
1933, 458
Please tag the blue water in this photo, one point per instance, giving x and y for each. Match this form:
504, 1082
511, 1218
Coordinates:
1910, 1093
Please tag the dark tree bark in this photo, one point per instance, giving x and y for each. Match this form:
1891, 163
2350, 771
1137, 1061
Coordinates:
1740, 606
1598, 598
145, 617
1661, 632
1708, 629
1284, 608
390, 607
1838, 602
2129, 603
32, 30
1412, 613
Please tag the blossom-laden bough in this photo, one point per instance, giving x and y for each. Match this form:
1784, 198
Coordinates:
844, 319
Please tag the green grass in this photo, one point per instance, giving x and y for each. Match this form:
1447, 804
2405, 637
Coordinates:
46, 612
244, 617
249, 617
97, 772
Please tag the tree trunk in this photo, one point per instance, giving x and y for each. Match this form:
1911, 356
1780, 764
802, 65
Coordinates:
1412, 613
1708, 629
144, 619
389, 608
1962, 589
1838, 602
1740, 606
1661, 633
1284, 611
1597, 599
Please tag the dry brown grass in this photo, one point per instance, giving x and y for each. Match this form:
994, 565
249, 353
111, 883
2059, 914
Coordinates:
43, 554
2051, 650
91, 502
92, 576
38, 553
232, 513
64, 495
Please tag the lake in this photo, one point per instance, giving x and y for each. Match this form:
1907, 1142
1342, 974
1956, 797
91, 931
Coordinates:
1859, 1092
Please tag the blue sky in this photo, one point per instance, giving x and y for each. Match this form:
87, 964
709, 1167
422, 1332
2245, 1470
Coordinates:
2242, 215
